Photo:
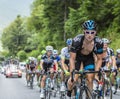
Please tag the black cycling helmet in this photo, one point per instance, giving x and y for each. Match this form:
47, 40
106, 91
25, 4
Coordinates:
89, 25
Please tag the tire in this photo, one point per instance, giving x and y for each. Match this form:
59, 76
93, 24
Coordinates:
108, 90
19, 76
62, 95
85, 92
31, 82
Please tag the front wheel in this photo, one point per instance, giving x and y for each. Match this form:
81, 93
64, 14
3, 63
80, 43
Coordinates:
85, 93
107, 90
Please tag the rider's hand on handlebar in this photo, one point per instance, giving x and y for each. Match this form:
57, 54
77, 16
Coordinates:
67, 73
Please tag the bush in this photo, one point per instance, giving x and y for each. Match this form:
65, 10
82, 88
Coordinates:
22, 55
34, 53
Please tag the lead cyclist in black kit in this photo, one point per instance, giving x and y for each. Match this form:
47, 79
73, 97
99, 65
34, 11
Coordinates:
85, 48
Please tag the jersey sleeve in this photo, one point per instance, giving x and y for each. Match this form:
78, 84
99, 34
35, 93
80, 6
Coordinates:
76, 43
112, 52
98, 46
42, 58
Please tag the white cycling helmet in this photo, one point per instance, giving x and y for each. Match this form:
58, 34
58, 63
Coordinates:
105, 40
118, 51
49, 48
32, 59
55, 52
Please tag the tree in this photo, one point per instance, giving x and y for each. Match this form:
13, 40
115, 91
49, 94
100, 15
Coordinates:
15, 36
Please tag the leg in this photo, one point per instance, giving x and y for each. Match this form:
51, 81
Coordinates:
90, 78
42, 95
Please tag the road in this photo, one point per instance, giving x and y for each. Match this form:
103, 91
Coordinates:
15, 88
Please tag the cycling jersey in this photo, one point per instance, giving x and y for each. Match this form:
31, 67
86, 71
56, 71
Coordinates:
65, 55
32, 66
47, 61
118, 62
107, 59
57, 58
88, 60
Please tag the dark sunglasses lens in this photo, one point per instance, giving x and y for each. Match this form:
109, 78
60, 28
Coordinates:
89, 32
92, 32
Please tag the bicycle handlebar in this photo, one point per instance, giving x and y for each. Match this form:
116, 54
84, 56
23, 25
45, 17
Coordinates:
86, 72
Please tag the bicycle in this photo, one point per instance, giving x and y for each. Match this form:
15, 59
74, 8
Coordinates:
82, 90
104, 87
48, 89
31, 78
56, 83
117, 81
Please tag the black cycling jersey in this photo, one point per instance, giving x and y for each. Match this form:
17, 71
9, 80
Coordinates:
47, 62
32, 65
88, 60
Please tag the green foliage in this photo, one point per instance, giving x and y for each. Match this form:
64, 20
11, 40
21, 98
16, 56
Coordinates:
5, 53
22, 55
34, 53
15, 36
53, 21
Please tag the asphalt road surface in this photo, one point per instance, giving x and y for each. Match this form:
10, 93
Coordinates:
16, 88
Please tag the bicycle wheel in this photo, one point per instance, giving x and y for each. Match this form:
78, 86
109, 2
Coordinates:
31, 82
48, 88
107, 89
85, 93
56, 86
62, 95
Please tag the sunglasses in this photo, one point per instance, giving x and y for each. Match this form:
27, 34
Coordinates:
90, 32
49, 51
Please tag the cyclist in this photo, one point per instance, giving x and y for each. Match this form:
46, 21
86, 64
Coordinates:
57, 57
65, 56
108, 55
118, 72
83, 49
109, 60
46, 63
118, 58
31, 66
38, 68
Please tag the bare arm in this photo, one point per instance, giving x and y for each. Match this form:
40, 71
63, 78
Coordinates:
72, 61
41, 65
113, 61
98, 62
63, 64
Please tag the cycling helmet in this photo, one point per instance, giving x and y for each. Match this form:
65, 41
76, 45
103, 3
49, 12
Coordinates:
49, 48
31, 58
55, 52
118, 51
43, 52
69, 41
89, 25
105, 40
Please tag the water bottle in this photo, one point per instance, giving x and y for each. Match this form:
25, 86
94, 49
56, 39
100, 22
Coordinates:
78, 93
